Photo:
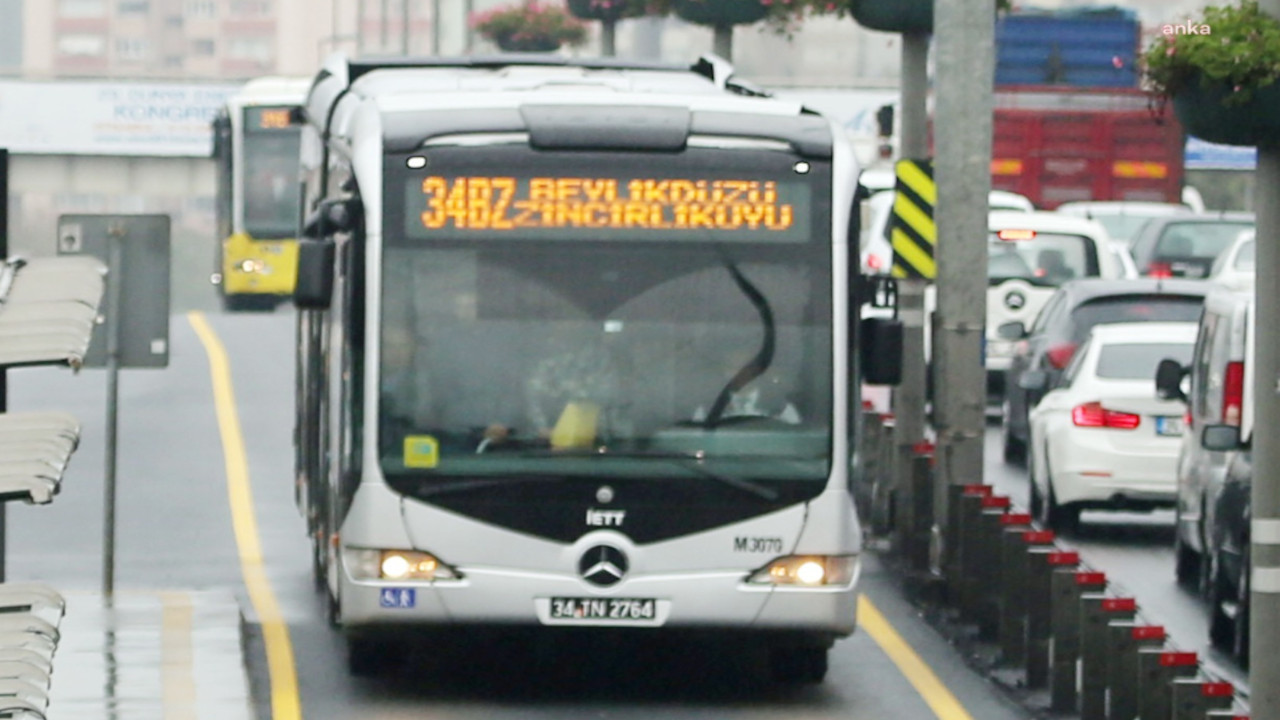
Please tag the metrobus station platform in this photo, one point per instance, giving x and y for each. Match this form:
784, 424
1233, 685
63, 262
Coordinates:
171, 655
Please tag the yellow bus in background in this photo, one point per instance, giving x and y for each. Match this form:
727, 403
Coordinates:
256, 147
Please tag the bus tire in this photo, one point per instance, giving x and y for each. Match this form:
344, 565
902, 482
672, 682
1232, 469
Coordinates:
798, 664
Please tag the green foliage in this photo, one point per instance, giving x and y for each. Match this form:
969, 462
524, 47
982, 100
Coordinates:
530, 27
611, 10
782, 16
1235, 46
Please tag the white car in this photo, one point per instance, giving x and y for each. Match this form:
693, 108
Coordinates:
1029, 254
1235, 267
1102, 439
877, 250
1122, 218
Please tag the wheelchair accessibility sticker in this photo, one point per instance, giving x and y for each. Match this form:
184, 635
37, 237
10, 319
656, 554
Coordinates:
398, 597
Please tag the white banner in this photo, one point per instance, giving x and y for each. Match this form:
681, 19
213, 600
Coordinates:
109, 118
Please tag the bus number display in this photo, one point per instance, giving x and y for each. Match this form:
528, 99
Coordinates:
497, 205
268, 118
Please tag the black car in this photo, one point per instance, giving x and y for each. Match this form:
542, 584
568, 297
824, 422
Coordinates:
1227, 537
1185, 245
1064, 322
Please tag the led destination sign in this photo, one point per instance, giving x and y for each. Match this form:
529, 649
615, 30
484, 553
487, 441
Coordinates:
608, 207
268, 118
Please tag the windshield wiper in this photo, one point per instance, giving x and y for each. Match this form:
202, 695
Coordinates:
757, 365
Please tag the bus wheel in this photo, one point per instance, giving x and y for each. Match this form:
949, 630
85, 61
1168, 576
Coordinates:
319, 560
798, 664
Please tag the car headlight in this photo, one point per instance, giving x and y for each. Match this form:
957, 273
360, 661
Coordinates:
807, 570
370, 564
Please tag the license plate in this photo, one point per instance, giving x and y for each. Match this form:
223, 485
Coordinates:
616, 609
1168, 426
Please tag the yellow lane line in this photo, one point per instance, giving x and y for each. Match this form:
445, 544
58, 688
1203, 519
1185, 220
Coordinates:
176, 656
285, 704
935, 694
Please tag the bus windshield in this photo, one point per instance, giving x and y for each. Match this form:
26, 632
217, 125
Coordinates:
552, 314
270, 171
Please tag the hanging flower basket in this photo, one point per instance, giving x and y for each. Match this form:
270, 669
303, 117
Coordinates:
607, 10
1221, 71
720, 13
530, 28
1205, 113
900, 16
524, 42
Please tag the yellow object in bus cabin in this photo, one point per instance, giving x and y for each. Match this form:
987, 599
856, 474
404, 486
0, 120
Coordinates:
421, 451
576, 427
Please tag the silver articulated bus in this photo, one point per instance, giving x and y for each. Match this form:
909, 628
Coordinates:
579, 347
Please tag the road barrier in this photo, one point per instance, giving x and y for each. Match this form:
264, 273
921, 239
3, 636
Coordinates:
1054, 621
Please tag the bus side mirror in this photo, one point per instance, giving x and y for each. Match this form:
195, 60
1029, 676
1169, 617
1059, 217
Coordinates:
884, 120
333, 216
1169, 374
881, 350
314, 288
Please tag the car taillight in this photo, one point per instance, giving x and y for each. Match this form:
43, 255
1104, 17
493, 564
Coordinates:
874, 262
1233, 393
1094, 415
1059, 355
1160, 270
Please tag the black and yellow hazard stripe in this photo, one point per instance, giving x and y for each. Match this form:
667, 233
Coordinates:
912, 230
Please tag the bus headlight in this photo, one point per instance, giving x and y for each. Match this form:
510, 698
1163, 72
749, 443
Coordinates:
364, 564
807, 570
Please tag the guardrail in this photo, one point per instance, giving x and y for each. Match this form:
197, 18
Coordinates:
47, 311
1055, 625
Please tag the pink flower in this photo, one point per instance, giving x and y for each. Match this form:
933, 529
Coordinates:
1169, 51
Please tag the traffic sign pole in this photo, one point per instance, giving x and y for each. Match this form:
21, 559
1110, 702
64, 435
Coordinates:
965, 60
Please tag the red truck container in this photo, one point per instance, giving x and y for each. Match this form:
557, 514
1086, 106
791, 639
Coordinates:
1057, 144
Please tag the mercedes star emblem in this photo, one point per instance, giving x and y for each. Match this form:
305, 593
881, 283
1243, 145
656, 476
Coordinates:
1015, 300
604, 494
603, 565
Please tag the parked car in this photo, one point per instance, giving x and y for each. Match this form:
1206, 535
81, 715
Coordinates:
1122, 218
1235, 267
1217, 389
1186, 245
1028, 256
1064, 323
876, 244
1101, 439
